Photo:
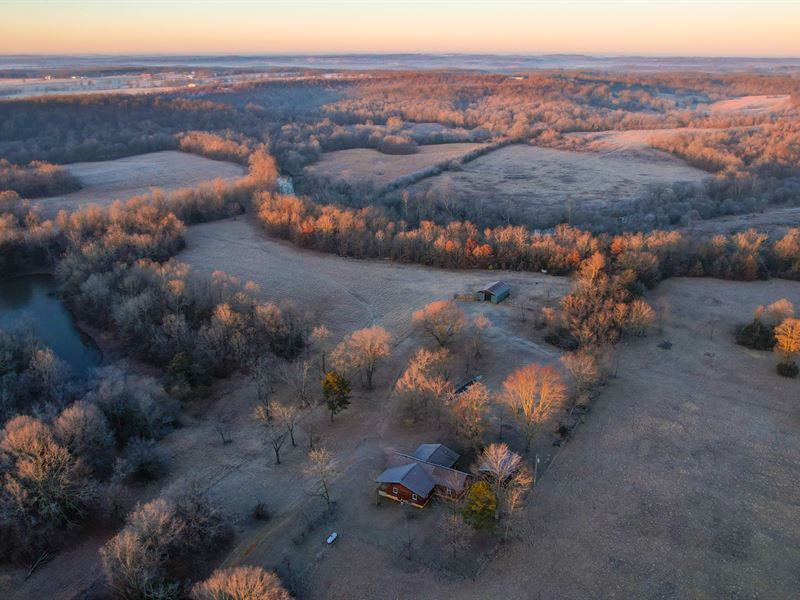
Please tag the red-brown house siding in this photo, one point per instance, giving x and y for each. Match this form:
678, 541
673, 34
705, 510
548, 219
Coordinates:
403, 494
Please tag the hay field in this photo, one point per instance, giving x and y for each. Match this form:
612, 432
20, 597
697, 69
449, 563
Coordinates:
531, 178
109, 180
342, 293
365, 164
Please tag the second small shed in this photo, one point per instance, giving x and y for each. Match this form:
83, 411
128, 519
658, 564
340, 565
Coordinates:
494, 293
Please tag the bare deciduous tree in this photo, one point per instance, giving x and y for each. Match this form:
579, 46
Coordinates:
640, 317
297, 375
43, 483
320, 337
533, 394
787, 338
468, 411
275, 432
83, 430
455, 533
321, 471
442, 320
286, 415
264, 374
241, 583
420, 385
508, 477
363, 350
585, 367
479, 326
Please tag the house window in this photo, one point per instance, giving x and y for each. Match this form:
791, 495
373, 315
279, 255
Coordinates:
413, 496
394, 491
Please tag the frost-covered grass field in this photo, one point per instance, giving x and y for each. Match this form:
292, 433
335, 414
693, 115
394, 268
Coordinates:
531, 178
109, 180
365, 164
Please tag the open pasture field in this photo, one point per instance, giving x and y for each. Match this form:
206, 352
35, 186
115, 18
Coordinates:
109, 180
33, 87
631, 142
683, 482
752, 104
772, 221
342, 293
532, 179
365, 164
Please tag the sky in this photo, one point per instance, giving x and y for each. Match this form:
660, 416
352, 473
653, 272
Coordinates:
643, 27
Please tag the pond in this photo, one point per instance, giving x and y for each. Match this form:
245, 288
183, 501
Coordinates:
31, 301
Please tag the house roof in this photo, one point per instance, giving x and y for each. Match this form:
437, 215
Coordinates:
498, 287
439, 474
437, 454
411, 476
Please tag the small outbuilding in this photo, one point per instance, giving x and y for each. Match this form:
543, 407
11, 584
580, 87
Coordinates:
495, 292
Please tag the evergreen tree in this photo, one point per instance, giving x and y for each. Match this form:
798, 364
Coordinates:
337, 392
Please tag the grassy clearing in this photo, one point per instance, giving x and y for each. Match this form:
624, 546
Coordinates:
365, 164
106, 181
531, 178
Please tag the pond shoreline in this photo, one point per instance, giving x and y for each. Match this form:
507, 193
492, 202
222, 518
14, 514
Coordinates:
33, 296
27, 273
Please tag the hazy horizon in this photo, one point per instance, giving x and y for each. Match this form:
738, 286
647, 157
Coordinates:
651, 28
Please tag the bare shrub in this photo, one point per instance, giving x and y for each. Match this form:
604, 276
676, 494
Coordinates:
135, 405
778, 312
141, 460
203, 525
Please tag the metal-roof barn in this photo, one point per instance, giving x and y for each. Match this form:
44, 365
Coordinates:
437, 454
495, 292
